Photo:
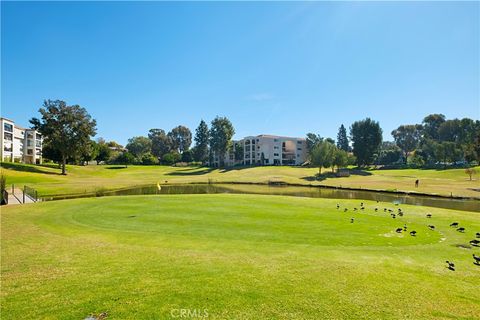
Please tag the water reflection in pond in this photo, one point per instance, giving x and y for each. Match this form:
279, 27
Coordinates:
313, 192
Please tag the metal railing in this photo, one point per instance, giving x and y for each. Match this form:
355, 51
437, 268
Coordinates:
27, 194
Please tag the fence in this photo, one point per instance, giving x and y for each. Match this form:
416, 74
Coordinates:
27, 194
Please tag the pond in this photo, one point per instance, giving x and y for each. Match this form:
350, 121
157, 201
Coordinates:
298, 191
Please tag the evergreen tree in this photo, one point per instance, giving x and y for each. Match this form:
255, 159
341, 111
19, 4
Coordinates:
342, 139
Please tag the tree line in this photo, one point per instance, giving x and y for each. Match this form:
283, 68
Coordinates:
67, 132
436, 141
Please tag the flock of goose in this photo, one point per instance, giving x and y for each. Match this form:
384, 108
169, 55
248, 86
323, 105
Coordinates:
413, 233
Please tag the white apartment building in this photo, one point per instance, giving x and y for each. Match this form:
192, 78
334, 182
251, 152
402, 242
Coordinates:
19, 144
268, 150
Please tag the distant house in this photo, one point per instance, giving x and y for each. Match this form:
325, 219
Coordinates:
267, 150
19, 144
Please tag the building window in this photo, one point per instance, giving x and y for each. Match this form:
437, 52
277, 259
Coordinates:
8, 136
8, 127
275, 140
29, 143
38, 143
299, 149
253, 141
276, 155
299, 142
30, 152
7, 148
38, 136
298, 156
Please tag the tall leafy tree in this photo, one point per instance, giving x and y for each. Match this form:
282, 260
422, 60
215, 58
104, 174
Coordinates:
66, 129
221, 134
180, 138
366, 137
340, 158
431, 124
138, 146
407, 138
342, 139
161, 143
104, 151
202, 136
323, 155
311, 140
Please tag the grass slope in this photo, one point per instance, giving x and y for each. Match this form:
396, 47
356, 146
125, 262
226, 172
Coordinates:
48, 181
238, 256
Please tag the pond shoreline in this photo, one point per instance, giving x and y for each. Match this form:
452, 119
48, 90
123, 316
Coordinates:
101, 192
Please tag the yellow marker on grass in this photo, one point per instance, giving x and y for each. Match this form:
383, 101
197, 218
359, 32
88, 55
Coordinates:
158, 186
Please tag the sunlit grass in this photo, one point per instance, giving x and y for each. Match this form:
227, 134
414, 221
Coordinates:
81, 179
238, 256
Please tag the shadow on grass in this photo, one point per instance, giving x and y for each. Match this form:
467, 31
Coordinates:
330, 175
27, 168
190, 172
115, 167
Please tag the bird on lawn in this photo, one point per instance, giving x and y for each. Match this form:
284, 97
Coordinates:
454, 224
431, 227
451, 265
461, 229
351, 220
429, 215
413, 233
477, 259
475, 242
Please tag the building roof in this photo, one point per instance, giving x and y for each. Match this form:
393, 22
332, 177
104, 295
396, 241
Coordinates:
276, 137
2, 118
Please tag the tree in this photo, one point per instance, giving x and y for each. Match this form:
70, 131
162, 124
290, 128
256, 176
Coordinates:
342, 139
322, 155
66, 129
180, 138
366, 137
431, 124
311, 140
161, 143
471, 172
149, 159
221, 134
138, 146
171, 157
104, 151
407, 138
90, 152
202, 137
125, 158
450, 130
238, 152
340, 158
388, 153
447, 152
187, 156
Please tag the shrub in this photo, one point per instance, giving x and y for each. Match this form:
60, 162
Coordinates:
149, 159
171, 158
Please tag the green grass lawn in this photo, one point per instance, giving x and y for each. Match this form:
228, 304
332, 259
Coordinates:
237, 256
80, 179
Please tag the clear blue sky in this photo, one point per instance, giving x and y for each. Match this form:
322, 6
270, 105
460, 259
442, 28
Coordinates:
278, 68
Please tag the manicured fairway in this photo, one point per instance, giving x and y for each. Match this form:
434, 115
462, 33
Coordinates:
81, 179
237, 256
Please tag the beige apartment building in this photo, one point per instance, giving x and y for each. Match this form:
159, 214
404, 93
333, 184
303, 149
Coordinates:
267, 150
19, 144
